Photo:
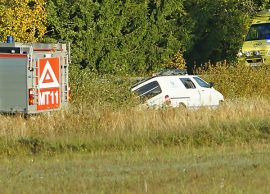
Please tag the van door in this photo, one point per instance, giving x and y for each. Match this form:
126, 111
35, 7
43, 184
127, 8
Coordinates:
190, 91
205, 96
205, 91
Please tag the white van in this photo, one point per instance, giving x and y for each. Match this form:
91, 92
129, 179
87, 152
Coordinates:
178, 90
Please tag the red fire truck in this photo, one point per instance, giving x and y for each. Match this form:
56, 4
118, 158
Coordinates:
33, 77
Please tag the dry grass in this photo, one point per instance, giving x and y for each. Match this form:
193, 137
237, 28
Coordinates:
239, 80
105, 115
81, 121
93, 129
122, 148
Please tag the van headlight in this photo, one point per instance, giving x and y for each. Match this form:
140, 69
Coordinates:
257, 53
248, 53
240, 54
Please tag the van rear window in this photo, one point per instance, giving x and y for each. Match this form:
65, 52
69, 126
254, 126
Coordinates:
151, 89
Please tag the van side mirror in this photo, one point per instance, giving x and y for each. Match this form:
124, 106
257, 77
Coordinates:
211, 84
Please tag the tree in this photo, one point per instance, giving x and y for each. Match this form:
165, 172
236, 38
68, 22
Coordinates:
262, 4
119, 36
25, 20
219, 28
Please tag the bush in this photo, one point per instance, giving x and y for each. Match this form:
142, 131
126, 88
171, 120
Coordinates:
238, 80
91, 89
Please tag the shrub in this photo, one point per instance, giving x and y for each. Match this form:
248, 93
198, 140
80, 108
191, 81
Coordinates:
238, 80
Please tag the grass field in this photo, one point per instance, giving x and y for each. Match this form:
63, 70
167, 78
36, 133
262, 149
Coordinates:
221, 169
105, 143
126, 150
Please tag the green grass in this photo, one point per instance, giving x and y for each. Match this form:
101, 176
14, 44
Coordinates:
236, 169
126, 150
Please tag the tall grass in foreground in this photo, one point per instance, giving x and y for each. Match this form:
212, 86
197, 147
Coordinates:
104, 115
94, 129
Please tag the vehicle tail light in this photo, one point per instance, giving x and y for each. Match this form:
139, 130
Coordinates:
69, 92
31, 96
167, 100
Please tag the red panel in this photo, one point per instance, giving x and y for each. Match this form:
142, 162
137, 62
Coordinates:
49, 94
48, 99
13, 56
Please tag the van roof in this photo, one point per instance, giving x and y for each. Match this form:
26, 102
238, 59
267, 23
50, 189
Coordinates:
163, 77
166, 73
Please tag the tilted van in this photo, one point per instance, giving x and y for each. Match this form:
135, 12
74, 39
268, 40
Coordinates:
177, 90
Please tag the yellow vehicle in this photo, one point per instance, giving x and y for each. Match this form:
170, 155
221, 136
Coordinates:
256, 48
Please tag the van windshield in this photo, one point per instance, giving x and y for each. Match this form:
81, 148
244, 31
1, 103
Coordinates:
201, 82
259, 32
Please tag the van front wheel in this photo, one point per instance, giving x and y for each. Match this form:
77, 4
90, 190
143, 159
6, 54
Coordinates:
221, 102
182, 105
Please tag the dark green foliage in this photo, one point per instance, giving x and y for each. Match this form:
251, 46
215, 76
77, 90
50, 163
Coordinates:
262, 4
131, 37
106, 90
119, 36
219, 28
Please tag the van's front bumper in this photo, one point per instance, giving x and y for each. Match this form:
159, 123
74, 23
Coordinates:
255, 61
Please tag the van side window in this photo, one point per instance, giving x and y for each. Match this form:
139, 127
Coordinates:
149, 90
188, 83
